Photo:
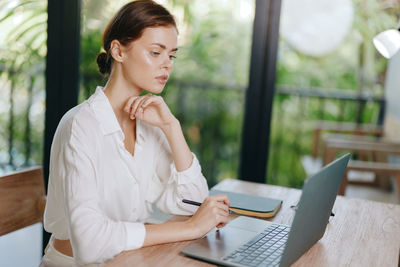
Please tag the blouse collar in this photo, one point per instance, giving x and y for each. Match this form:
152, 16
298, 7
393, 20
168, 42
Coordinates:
106, 117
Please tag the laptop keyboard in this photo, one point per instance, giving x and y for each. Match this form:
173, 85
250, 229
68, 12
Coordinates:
263, 250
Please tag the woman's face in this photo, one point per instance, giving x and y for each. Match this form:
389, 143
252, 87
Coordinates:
148, 61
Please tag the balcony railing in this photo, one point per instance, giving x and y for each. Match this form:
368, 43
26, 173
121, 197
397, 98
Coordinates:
295, 115
211, 116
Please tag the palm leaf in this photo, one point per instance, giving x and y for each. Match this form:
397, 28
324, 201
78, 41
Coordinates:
12, 11
34, 16
29, 29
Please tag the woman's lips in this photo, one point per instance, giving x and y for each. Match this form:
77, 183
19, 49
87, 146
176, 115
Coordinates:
162, 79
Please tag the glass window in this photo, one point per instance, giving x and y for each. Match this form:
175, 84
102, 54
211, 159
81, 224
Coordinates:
328, 72
23, 37
206, 88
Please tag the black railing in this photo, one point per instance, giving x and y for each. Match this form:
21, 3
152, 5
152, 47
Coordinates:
295, 114
211, 116
343, 96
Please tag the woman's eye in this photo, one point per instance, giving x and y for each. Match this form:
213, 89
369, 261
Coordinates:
172, 57
155, 53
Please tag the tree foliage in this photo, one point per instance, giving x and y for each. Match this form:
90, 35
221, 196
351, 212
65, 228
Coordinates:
207, 88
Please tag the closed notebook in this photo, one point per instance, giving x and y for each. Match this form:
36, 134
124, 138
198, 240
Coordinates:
248, 205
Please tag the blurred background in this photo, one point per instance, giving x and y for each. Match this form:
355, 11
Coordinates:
331, 73
327, 70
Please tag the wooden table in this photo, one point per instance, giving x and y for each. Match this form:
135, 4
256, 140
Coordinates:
362, 233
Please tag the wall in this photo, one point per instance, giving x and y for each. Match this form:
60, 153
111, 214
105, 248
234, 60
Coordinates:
392, 95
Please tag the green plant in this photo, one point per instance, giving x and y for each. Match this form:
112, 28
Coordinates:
22, 54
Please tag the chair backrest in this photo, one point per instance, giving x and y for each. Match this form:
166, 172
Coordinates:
22, 199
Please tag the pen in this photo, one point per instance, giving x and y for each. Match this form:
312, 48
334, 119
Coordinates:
191, 202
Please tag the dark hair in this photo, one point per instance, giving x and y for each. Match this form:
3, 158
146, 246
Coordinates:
128, 25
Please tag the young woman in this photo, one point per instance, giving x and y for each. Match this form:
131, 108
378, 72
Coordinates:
118, 152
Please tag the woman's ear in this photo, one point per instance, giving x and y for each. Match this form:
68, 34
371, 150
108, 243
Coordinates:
116, 50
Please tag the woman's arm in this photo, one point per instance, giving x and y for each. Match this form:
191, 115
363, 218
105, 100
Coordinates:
176, 167
94, 236
180, 151
214, 211
153, 110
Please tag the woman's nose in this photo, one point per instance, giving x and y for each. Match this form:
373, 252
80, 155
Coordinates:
168, 62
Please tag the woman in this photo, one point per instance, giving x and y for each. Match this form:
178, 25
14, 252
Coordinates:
118, 152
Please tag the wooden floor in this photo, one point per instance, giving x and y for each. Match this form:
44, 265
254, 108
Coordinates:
28, 242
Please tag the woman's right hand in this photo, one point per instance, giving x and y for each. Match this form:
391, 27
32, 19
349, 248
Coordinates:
214, 212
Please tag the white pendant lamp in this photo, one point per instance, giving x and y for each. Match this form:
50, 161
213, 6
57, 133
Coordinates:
388, 42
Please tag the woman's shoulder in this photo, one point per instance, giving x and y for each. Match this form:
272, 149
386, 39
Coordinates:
80, 120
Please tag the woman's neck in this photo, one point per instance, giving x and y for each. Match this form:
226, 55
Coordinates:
118, 91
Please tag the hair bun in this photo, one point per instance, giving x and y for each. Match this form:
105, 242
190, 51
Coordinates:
104, 63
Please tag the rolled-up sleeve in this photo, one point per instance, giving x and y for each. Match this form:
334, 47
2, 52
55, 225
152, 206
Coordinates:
187, 184
95, 237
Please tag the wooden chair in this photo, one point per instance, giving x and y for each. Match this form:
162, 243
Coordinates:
322, 127
352, 131
380, 148
22, 199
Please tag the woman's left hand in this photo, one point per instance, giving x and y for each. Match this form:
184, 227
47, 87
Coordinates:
149, 108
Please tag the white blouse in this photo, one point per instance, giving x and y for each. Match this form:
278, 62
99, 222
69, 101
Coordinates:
99, 194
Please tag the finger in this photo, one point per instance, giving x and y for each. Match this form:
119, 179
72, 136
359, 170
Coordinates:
139, 110
219, 210
220, 225
223, 206
221, 198
216, 215
136, 104
223, 213
222, 221
152, 99
128, 104
143, 105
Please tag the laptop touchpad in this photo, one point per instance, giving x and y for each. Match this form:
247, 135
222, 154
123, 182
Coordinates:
218, 244
249, 224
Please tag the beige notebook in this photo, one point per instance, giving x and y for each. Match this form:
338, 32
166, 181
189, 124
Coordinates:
250, 205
